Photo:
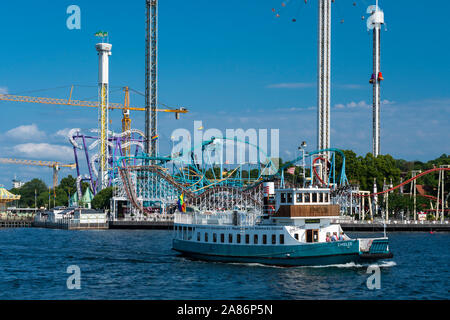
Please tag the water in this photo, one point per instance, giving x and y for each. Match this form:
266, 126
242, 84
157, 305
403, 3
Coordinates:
132, 264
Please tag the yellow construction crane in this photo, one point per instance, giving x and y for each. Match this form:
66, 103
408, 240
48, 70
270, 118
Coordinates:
126, 121
51, 164
82, 103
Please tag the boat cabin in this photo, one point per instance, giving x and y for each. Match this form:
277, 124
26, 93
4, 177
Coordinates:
307, 213
304, 202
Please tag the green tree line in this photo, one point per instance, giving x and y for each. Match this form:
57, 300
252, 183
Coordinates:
36, 191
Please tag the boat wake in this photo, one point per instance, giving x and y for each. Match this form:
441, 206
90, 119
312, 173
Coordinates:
381, 264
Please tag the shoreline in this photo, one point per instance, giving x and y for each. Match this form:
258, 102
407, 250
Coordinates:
393, 226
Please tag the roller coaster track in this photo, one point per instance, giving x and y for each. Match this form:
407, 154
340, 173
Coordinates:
190, 196
315, 171
404, 183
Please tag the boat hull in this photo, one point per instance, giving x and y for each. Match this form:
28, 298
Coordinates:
282, 255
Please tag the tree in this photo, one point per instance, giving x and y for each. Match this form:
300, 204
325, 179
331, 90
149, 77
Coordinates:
101, 199
27, 193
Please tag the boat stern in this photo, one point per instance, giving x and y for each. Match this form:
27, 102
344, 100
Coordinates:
374, 249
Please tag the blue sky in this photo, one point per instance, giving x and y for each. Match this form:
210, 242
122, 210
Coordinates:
234, 65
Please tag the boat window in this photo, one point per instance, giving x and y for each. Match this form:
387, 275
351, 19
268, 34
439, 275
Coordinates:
299, 197
281, 238
238, 238
255, 239
289, 197
320, 197
247, 238
306, 198
264, 238
274, 239
222, 238
314, 197
283, 198
230, 238
206, 237
198, 236
214, 237
296, 236
326, 197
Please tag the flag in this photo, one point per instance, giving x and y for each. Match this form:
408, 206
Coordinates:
181, 204
291, 170
200, 128
155, 137
101, 34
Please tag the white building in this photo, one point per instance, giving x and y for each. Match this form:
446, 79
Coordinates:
17, 183
88, 216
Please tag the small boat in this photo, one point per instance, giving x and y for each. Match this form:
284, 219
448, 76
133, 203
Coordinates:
296, 227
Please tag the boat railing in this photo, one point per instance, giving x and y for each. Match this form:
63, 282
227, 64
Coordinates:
218, 218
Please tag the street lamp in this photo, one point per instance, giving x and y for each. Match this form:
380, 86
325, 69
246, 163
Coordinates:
302, 148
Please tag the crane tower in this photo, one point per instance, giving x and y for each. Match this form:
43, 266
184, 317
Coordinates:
104, 51
374, 23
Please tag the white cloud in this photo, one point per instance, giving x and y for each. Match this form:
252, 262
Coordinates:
292, 85
62, 133
296, 109
3, 90
26, 132
361, 104
352, 104
386, 102
43, 151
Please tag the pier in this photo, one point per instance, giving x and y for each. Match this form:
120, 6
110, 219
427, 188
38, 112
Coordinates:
395, 226
69, 225
121, 224
15, 223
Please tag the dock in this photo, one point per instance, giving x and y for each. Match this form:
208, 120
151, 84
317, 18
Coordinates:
135, 225
70, 226
396, 226
347, 225
16, 223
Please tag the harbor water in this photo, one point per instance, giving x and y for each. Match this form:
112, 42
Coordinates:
139, 264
